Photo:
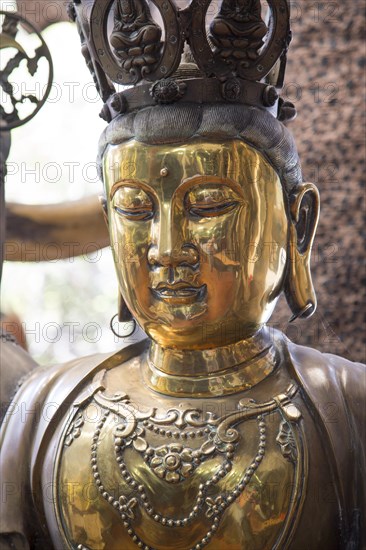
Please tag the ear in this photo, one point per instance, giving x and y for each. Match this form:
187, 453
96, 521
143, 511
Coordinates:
103, 202
124, 313
304, 214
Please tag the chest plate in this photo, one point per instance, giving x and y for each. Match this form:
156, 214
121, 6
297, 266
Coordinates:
220, 475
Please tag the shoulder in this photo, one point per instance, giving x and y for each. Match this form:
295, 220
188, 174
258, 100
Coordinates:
32, 413
46, 385
15, 366
325, 372
335, 389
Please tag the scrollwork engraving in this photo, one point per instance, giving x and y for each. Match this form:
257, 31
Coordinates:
174, 461
74, 430
286, 441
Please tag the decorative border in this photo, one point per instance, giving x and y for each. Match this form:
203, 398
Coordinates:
172, 45
120, 405
256, 69
189, 24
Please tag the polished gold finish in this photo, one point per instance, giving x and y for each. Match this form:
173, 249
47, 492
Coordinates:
167, 470
207, 373
197, 363
299, 288
201, 253
201, 437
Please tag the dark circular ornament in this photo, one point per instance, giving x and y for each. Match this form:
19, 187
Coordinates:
231, 89
118, 103
270, 96
286, 111
105, 113
167, 90
10, 24
133, 328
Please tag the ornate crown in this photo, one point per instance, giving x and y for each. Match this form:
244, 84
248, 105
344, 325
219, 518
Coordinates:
237, 55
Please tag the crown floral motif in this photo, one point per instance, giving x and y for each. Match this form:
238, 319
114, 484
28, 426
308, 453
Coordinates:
237, 56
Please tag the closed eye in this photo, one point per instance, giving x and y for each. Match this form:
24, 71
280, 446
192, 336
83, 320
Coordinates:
211, 210
134, 214
133, 203
210, 200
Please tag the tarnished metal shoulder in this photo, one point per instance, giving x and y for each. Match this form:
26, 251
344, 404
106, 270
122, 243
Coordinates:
32, 412
335, 389
16, 364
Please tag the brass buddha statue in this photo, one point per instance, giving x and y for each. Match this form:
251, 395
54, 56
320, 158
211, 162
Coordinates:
215, 431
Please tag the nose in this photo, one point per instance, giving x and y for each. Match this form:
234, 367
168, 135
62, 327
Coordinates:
185, 255
170, 246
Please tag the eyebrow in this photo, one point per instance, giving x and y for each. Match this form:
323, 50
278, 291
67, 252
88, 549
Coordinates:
219, 180
192, 181
122, 183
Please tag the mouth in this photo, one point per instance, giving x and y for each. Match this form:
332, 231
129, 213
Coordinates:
179, 293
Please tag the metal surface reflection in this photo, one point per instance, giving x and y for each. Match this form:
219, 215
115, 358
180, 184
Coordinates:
215, 431
228, 474
202, 248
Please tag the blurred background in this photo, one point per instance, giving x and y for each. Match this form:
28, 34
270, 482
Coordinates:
64, 306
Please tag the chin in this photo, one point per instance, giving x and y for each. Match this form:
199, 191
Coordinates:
201, 333
172, 314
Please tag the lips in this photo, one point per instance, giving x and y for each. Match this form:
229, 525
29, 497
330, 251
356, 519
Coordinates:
179, 292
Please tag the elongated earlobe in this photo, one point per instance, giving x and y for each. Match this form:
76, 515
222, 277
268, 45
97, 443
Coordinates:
124, 313
299, 289
103, 202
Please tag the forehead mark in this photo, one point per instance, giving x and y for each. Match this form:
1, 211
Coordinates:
208, 160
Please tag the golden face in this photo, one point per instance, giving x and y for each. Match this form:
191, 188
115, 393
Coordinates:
199, 236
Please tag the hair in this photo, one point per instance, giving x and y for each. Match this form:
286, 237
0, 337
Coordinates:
181, 122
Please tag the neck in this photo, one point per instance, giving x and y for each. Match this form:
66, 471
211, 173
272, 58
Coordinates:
213, 372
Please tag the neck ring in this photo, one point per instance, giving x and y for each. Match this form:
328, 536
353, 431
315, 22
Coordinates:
213, 372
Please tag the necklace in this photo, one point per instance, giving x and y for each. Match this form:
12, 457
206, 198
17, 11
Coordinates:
187, 438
